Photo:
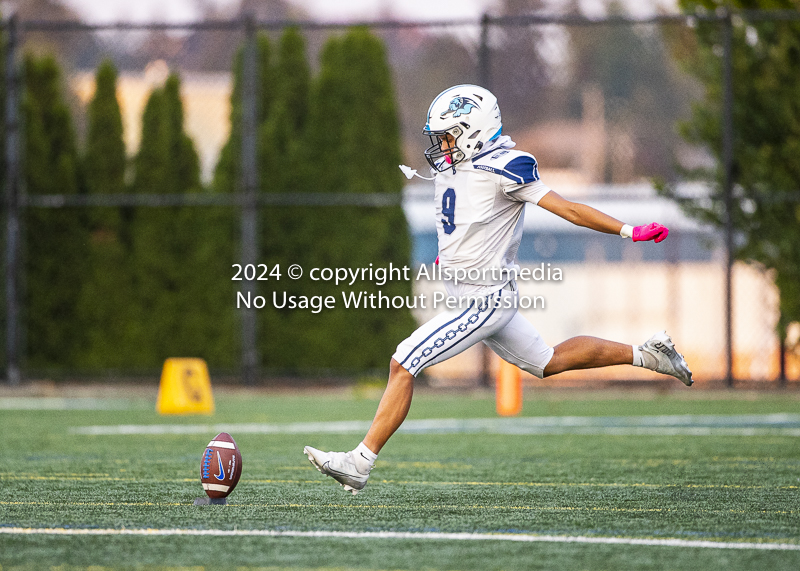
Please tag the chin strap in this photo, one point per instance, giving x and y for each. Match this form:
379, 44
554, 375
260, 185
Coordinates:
411, 173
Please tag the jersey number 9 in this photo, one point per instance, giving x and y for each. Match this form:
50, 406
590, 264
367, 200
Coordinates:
449, 211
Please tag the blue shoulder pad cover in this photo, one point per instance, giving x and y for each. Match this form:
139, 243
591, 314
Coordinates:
522, 170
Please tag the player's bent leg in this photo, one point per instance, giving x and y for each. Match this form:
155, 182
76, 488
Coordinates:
520, 344
657, 354
586, 352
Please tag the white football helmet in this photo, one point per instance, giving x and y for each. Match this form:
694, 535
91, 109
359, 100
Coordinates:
467, 112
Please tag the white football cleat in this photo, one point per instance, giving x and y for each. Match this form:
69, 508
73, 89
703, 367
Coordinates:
669, 361
340, 466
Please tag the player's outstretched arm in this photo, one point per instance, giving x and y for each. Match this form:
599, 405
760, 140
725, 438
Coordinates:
580, 214
588, 217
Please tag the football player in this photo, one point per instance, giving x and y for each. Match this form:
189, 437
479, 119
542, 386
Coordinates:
482, 185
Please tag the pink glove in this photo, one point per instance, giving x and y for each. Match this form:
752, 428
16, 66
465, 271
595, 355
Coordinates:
653, 231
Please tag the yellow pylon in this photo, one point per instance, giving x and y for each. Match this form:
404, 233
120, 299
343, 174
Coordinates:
185, 388
508, 389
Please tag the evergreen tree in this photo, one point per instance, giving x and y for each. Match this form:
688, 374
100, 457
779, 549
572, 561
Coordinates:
226, 174
182, 283
281, 128
766, 117
352, 145
292, 80
107, 296
105, 148
328, 125
184, 166
167, 161
54, 239
285, 231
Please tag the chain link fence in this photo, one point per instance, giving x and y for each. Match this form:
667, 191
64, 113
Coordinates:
598, 102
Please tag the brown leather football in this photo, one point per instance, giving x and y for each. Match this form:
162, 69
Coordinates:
221, 466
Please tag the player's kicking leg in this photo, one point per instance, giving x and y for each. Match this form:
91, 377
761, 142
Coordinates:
519, 343
657, 354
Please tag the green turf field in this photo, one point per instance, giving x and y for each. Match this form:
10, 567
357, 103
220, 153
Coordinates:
733, 477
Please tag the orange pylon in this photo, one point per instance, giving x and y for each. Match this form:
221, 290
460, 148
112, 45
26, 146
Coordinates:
508, 388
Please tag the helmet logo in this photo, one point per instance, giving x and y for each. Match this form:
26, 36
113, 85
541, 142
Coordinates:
460, 106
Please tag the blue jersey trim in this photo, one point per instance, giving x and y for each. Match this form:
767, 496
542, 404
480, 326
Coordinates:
518, 178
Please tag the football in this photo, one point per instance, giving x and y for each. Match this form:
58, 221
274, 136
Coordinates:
221, 466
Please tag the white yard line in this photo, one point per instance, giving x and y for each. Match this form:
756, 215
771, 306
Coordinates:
59, 403
524, 538
667, 425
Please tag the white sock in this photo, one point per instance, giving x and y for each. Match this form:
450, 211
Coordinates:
644, 359
637, 357
364, 458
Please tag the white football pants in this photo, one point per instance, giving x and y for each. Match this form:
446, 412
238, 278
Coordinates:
493, 319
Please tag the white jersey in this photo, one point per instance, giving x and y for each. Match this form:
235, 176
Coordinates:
480, 210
